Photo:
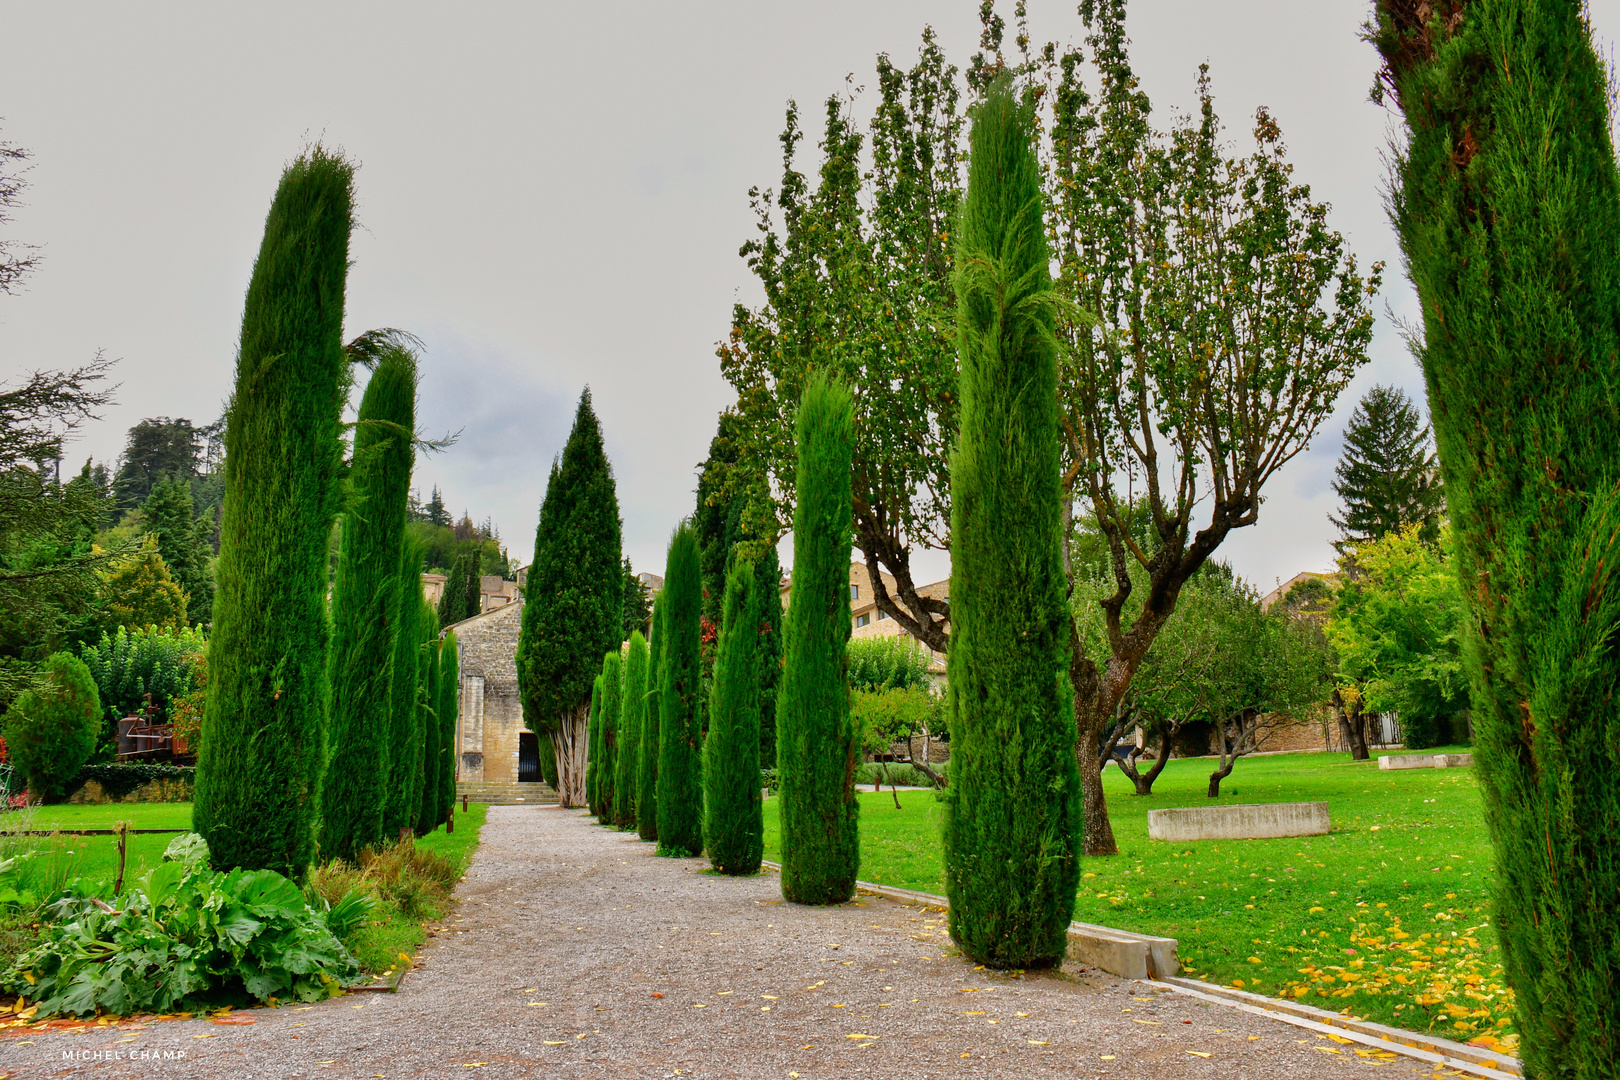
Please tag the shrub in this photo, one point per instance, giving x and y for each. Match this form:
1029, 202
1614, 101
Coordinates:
50, 730
897, 662
129, 664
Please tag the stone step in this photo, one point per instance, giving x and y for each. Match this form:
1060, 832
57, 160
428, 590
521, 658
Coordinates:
493, 794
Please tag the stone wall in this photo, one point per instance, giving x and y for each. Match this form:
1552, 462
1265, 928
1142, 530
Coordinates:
153, 791
491, 710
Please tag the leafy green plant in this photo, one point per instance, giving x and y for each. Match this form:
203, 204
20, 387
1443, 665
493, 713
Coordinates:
129, 664
50, 731
895, 662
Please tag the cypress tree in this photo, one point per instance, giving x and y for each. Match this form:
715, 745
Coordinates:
1012, 822
734, 812
427, 711
258, 775
632, 718
1507, 203
593, 755
647, 781
680, 780
1387, 478
574, 610
768, 650
816, 742
365, 610
449, 711
608, 723
167, 512
405, 722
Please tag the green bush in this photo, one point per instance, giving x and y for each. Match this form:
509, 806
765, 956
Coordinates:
130, 664
51, 730
118, 779
897, 662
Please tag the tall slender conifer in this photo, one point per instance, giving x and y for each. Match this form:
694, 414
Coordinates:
680, 765
427, 705
593, 743
405, 722
734, 811
632, 718
365, 610
647, 782
258, 776
816, 742
449, 710
1507, 202
1012, 822
608, 722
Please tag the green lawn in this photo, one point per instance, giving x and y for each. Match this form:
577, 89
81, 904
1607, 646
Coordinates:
1384, 917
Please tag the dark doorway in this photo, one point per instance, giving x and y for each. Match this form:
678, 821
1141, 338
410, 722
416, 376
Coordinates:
528, 757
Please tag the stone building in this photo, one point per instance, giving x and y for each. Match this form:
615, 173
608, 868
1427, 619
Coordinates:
865, 618
492, 745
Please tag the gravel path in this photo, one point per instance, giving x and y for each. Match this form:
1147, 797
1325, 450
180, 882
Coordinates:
576, 952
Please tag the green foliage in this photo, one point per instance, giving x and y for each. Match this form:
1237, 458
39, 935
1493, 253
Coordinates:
463, 586
647, 773
182, 938
632, 720
575, 595
183, 542
816, 748
403, 793
50, 730
1012, 822
768, 650
258, 777
887, 716
733, 823
680, 732
139, 592
366, 610
449, 706
895, 662
156, 450
1506, 197
637, 604
1387, 477
1397, 626
120, 778
428, 816
128, 665
608, 725
593, 751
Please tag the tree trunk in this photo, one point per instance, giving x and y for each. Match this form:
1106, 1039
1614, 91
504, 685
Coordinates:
1099, 838
1218, 775
1144, 783
569, 741
1358, 734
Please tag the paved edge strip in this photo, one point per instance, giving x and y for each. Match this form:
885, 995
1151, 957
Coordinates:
1429, 1048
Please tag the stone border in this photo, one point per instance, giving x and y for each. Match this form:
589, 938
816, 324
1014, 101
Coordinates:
1387, 762
1239, 821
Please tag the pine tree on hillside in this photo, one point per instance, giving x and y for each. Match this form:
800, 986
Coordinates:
1387, 477
575, 599
608, 724
1507, 203
652, 720
436, 513
632, 719
463, 586
816, 743
365, 610
182, 541
258, 777
427, 706
449, 712
1013, 819
404, 790
734, 812
680, 765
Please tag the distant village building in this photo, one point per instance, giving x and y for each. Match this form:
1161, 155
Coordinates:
1330, 577
492, 745
866, 620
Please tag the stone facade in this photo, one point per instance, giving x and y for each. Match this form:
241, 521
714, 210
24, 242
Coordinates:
490, 728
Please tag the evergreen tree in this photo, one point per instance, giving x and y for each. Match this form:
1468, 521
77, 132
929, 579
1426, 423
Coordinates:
816, 744
768, 650
449, 711
182, 541
404, 792
1012, 823
258, 776
632, 718
593, 752
463, 586
427, 711
608, 725
436, 513
637, 606
1387, 478
138, 592
575, 598
365, 611
680, 780
1507, 203
652, 721
734, 812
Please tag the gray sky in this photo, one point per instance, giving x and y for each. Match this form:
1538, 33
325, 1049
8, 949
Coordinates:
552, 195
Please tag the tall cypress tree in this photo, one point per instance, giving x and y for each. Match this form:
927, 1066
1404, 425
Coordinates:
768, 649
574, 610
652, 721
365, 610
680, 766
608, 723
258, 775
1387, 478
404, 793
593, 753
1012, 822
734, 812
816, 742
1507, 203
449, 711
632, 718
427, 710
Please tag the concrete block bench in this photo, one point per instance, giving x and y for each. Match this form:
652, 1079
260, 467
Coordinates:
1425, 761
1245, 821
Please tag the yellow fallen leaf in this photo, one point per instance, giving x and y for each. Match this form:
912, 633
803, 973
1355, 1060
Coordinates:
473, 1064
1038, 1042
972, 1013
700, 1006
535, 1004
555, 1042
1326, 1049
1105, 1057
1198, 1053
204, 1036
536, 991
857, 1035
1134, 1020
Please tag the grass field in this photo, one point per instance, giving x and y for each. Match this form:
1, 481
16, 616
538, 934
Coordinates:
1385, 917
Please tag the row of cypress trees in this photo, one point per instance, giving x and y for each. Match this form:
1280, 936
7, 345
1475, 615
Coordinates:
328, 723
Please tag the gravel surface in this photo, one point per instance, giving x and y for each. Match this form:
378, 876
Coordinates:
575, 952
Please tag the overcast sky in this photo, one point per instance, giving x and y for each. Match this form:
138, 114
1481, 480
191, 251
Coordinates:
552, 195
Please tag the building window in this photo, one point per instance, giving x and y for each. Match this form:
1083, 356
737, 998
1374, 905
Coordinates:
862, 620
854, 592
882, 614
